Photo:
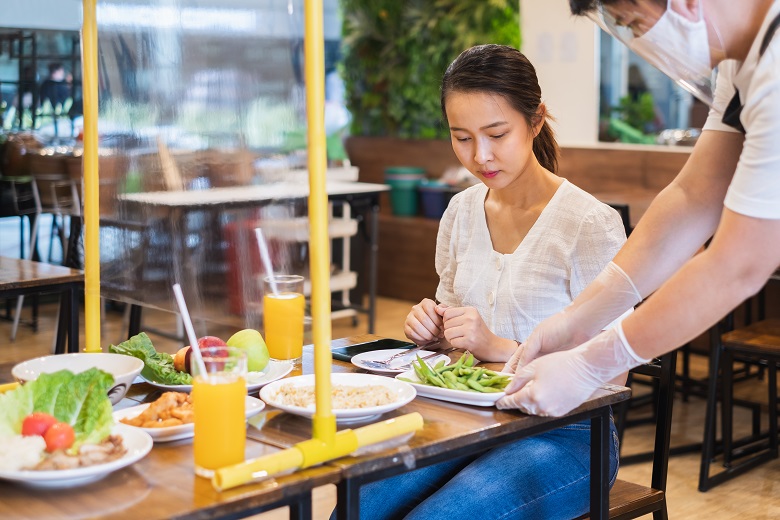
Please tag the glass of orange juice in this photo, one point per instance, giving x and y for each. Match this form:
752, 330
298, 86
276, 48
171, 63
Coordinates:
283, 316
218, 398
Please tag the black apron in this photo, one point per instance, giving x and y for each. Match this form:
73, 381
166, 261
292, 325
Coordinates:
734, 110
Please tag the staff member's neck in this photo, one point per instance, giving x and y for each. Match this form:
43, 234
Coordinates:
738, 24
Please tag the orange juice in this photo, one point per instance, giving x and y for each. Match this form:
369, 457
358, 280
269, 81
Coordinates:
283, 320
220, 430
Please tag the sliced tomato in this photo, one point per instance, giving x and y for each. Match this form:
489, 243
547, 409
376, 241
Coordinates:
37, 423
59, 436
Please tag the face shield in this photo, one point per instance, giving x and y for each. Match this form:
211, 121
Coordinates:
674, 44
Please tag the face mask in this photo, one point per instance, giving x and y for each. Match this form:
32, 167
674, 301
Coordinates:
677, 46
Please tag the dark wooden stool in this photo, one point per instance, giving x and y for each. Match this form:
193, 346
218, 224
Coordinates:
759, 343
22, 277
631, 500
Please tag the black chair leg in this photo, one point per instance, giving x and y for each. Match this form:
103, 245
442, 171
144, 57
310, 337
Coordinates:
621, 413
727, 407
710, 427
773, 442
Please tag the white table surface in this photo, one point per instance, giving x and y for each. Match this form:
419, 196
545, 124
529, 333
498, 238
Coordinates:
254, 193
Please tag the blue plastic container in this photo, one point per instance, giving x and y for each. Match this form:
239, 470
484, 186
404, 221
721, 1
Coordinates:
435, 197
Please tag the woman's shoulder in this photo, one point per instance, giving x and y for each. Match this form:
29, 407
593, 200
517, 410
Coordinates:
580, 202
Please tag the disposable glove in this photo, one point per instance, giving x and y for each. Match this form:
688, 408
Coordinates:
603, 301
557, 383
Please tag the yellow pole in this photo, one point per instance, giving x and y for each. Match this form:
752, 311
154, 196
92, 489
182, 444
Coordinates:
323, 422
91, 179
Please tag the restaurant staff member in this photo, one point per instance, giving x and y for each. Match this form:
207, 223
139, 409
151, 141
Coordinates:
730, 186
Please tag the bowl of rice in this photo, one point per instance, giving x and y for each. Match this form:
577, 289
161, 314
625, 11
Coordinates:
355, 397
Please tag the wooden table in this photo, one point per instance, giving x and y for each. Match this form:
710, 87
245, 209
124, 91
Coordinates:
175, 207
163, 484
23, 277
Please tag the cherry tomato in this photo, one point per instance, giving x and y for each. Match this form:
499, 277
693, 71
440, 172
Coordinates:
37, 423
59, 436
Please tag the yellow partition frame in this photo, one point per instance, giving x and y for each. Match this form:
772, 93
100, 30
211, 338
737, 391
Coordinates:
324, 423
326, 444
89, 63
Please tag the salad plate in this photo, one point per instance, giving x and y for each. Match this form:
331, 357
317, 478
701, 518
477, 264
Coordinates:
252, 407
137, 442
254, 380
277, 393
399, 364
452, 395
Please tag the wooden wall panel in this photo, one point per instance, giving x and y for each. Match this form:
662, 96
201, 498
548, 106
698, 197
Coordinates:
406, 258
373, 154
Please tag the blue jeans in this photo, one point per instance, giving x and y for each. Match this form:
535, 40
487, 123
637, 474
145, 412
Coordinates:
542, 477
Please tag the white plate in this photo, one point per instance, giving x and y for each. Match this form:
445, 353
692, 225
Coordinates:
454, 396
252, 407
136, 441
254, 381
378, 355
403, 391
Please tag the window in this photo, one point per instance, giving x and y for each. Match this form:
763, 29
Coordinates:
641, 105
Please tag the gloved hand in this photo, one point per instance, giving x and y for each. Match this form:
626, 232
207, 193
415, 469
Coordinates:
557, 383
607, 297
423, 324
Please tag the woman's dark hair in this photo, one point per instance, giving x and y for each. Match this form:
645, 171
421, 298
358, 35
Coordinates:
504, 71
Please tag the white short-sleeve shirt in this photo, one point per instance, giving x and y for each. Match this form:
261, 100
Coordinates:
755, 187
573, 239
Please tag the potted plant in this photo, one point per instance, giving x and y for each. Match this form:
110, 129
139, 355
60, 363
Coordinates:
395, 53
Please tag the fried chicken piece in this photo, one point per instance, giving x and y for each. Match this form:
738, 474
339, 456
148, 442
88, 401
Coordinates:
171, 409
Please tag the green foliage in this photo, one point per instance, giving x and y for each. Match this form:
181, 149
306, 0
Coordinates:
396, 52
638, 113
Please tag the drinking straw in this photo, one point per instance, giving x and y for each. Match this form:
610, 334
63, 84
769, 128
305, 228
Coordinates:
185, 316
266, 258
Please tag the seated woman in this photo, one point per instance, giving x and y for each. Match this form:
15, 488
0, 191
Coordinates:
511, 251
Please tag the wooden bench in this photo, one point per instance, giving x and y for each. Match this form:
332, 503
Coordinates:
23, 277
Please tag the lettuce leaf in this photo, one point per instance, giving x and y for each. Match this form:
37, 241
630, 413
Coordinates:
158, 366
14, 407
80, 400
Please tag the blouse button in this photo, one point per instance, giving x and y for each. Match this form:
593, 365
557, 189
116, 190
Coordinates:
491, 297
498, 263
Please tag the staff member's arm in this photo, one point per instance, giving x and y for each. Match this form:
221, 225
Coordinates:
743, 254
680, 219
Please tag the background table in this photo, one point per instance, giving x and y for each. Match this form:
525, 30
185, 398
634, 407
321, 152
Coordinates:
24, 277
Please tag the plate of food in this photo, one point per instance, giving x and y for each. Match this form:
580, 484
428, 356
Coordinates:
367, 360
356, 397
171, 417
459, 382
173, 372
58, 431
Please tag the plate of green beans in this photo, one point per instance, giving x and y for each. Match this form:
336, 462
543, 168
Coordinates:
459, 382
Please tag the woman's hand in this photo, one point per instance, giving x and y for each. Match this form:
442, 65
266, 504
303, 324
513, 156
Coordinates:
465, 329
423, 324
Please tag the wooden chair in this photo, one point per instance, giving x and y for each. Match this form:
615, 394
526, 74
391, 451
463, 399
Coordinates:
758, 343
631, 500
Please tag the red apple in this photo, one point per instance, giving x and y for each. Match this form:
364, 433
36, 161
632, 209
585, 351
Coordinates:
214, 343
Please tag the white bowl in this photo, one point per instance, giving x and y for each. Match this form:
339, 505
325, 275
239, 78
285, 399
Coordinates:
124, 369
403, 392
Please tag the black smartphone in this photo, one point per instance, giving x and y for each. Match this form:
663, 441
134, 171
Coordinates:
346, 353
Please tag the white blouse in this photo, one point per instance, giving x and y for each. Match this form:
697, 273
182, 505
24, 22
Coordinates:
573, 239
